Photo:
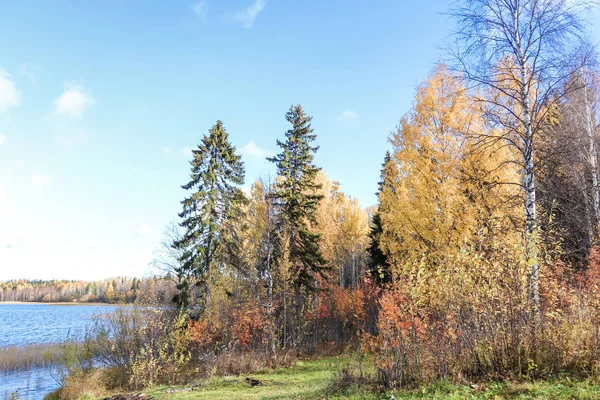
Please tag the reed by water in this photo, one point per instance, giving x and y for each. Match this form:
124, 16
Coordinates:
18, 358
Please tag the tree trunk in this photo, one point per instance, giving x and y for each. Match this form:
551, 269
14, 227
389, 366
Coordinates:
593, 160
530, 206
529, 173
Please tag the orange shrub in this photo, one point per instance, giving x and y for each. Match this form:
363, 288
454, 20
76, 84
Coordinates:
249, 326
401, 331
349, 306
201, 332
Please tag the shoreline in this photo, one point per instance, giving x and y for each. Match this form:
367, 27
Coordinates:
59, 303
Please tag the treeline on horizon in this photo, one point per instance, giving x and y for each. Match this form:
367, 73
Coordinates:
480, 261
117, 290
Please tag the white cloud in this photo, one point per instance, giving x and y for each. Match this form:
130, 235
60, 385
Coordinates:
2, 139
9, 96
73, 102
247, 190
8, 205
200, 9
40, 180
347, 115
186, 152
248, 16
253, 150
144, 231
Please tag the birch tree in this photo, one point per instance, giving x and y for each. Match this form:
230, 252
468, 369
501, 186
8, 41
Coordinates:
521, 53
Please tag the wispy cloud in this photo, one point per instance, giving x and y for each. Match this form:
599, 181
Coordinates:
72, 139
73, 102
248, 16
9, 96
143, 231
253, 150
186, 152
30, 72
200, 9
41, 181
347, 115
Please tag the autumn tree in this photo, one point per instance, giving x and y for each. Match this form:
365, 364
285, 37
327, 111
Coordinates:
444, 199
254, 252
448, 230
520, 52
568, 170
215, 196
423, 207
296, 194
343, 226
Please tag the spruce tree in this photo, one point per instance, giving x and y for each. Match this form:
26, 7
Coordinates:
296, 194
379, 266
215, 197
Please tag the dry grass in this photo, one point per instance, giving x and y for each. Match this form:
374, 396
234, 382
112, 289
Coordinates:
30, 356
237, 363
90, 385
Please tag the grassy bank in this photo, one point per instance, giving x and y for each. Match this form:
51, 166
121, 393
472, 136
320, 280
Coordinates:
305, 379
314, 380
317, 380
29, 356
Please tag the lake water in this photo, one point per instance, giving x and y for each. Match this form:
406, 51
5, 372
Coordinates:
22, 324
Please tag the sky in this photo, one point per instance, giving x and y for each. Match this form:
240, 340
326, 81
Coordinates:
101, 102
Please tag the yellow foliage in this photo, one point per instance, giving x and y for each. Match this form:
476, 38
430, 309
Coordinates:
343, 225
445, 195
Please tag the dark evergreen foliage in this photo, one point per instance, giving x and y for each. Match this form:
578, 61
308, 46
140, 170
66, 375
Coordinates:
215, 196
379, 266
296, 195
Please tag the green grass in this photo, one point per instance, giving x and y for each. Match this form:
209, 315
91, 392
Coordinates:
303, 380
538, 390
312, 380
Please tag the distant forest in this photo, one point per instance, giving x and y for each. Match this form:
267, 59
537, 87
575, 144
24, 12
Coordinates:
113, 290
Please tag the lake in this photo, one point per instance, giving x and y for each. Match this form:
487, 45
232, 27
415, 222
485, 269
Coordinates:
23, 324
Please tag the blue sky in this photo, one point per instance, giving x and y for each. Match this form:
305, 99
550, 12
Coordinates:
100, 102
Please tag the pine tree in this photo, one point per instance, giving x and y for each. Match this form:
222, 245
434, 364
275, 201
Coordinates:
217, 172
379, 266
296, 193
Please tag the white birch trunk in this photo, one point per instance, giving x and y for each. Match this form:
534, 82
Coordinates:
593, 161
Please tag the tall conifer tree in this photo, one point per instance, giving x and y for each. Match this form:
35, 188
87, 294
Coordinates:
379, 266
296, 193
215, 196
